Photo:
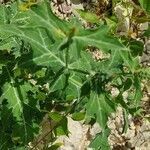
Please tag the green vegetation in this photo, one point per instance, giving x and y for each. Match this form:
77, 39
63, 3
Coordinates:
45, 68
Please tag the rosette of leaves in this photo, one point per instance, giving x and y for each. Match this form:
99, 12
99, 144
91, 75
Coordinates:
36, 45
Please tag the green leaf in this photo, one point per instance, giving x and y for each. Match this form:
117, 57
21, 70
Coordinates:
100, 142
16, 96
138, 92
10, 93
126, 121
24, 134
145, 5
7, 122
127, 84
136, 48
78, 116
101, 107
62, 127
88, 16
3, 14
147, 32
50, 34
37, 46
41, 96
55, 116
41, 73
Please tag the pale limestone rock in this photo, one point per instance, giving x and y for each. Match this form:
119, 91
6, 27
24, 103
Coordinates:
77, 137
95, 129
114, 92
123, 14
